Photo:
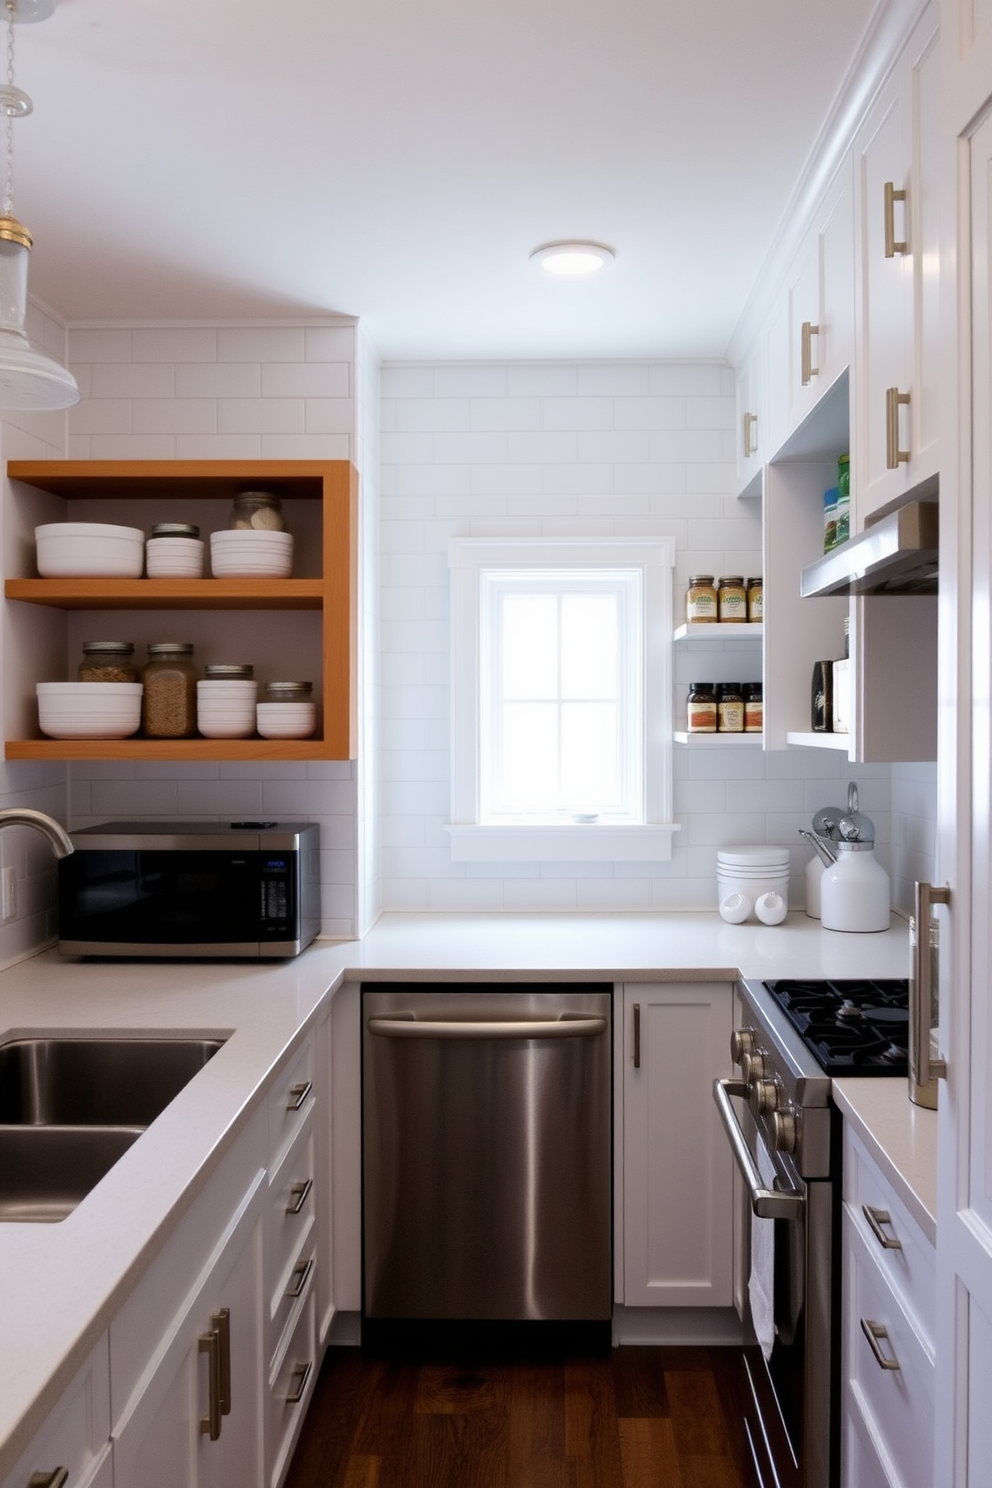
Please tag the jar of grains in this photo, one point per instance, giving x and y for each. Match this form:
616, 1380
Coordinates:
700, 600
108, 661
168, 705
731, 600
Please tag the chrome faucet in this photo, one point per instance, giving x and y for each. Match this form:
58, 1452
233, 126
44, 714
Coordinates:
26, 816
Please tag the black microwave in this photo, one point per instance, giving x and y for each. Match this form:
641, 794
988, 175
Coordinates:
190, 889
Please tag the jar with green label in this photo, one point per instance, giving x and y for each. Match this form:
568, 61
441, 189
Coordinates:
700, 600
732, 600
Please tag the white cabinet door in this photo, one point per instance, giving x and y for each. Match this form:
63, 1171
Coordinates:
897, 223
752, 431
76, 1434
678, 1213
821, 301
197, 1423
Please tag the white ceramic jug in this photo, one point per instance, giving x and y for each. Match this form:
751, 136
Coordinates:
854, 891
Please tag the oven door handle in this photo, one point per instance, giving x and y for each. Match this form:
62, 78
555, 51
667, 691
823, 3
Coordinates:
766, 1203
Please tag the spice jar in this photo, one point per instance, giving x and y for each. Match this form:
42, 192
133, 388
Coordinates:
701, 708
700, 600
168, 705
731, 600
108, 661
729, 708
755, 601
754, 708
174, 551
258, 510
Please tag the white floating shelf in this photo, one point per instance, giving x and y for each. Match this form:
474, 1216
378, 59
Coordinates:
718, 740
701, 630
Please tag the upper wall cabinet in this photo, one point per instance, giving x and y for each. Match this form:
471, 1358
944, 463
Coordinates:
820, 311
752, 428
897, 265
301, 627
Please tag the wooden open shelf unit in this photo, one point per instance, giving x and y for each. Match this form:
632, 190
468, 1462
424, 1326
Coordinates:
332, 595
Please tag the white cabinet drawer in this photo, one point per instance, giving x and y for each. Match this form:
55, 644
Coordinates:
904, 1254
897, 1402
862, 1464
76, 1435
291, 1234
290, 1101
290, 1388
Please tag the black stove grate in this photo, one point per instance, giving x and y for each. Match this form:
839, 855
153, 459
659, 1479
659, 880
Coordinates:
853, 1027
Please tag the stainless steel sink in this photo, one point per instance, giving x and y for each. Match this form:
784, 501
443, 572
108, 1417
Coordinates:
95, 1082
70, 1107
45, 1171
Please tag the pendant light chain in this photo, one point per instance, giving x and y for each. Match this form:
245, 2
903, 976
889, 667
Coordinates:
8, 187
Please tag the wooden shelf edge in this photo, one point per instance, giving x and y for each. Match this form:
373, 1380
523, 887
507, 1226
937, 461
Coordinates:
182, 594
224, 750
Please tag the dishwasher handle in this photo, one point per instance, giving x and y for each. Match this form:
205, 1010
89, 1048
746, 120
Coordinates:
405, 1026
766, 1203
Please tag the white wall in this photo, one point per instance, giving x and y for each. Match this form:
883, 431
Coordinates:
223, 392
568, 448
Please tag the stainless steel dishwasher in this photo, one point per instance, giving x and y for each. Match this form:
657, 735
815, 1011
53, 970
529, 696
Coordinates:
487, 1141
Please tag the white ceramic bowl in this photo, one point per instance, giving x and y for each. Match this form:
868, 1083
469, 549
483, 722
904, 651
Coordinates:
97, 550
174, 558
241, 554
286, 720
89, 710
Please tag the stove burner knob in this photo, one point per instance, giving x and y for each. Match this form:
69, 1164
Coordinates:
784, 1133
741, 1043
753, 1067
763, 1097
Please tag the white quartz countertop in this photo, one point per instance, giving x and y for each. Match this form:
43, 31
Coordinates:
901, 1137
63, 1282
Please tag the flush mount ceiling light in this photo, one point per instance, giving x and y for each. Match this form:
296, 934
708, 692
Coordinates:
573, 259
28, 378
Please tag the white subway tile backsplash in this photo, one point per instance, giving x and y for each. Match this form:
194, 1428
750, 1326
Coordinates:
260, 416
100, 344
262, 344
505, 413
329, 416
330, 343
398, 381
613, 380
168, 344
101, 416
541, 380
130, 380
470, 380
616, 447
306, 380
307, 446
218, 447
216, 379
174, 416
433, 414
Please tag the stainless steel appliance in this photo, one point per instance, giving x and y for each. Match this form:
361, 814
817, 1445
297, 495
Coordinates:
191, 889
791, 1038
487, 1133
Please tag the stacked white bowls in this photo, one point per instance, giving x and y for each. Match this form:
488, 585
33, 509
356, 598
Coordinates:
89, 710
286, 720
225, 702
174, 551
752, 882
95, 550
238, 553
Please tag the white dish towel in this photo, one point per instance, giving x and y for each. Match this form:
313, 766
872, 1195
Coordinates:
761, 1284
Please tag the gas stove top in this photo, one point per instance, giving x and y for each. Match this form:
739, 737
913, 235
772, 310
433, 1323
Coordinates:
851, 1027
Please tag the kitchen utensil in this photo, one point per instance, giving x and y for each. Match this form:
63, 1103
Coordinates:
855, 890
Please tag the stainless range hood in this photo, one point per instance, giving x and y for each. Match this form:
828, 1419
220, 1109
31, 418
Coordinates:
897, 555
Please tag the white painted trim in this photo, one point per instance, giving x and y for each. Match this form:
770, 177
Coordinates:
573, 843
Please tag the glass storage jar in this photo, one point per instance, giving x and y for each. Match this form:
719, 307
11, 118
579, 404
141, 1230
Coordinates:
701, 708
257, 510
729, 708
108, 661
731, 596
755, 601
168, 705
174, 550
700, 600
287, 711
754, 708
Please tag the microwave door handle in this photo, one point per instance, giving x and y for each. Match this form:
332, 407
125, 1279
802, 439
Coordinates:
766, 1203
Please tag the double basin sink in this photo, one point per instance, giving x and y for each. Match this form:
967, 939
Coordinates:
70, 1107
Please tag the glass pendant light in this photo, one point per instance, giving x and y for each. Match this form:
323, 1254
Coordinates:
29, 379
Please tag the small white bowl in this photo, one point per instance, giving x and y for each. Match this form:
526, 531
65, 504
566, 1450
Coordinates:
89, 710
174, 558
286, 720
237, 554
236, 690
95, 550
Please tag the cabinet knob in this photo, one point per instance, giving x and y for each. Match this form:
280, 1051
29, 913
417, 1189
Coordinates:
753, 1066
741, 1043
784, 1134
763, 1097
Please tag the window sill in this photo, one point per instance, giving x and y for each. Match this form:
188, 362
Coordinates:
574, 843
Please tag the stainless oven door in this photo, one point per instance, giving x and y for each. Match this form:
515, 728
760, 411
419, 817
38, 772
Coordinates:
787, 1228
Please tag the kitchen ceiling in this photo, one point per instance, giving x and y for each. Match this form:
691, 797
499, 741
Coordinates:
398, 160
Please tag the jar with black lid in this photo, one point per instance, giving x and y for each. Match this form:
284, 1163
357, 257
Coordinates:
701, 708
754, 708
730, 708
168, 704
108, 661
755, 601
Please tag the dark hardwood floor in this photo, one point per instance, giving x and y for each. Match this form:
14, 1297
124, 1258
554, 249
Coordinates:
488, 1416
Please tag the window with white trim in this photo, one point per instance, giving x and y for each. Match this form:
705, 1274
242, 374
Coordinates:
561, 699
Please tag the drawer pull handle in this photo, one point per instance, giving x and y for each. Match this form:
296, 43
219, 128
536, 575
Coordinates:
876, 1219
893, 245
222, 1325
299, 1277
894, 455
299, 1193
210, 1345
298, 1094
57, 1478
637, 1035
750, 437
875, 1332
298, 1382
807, 370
